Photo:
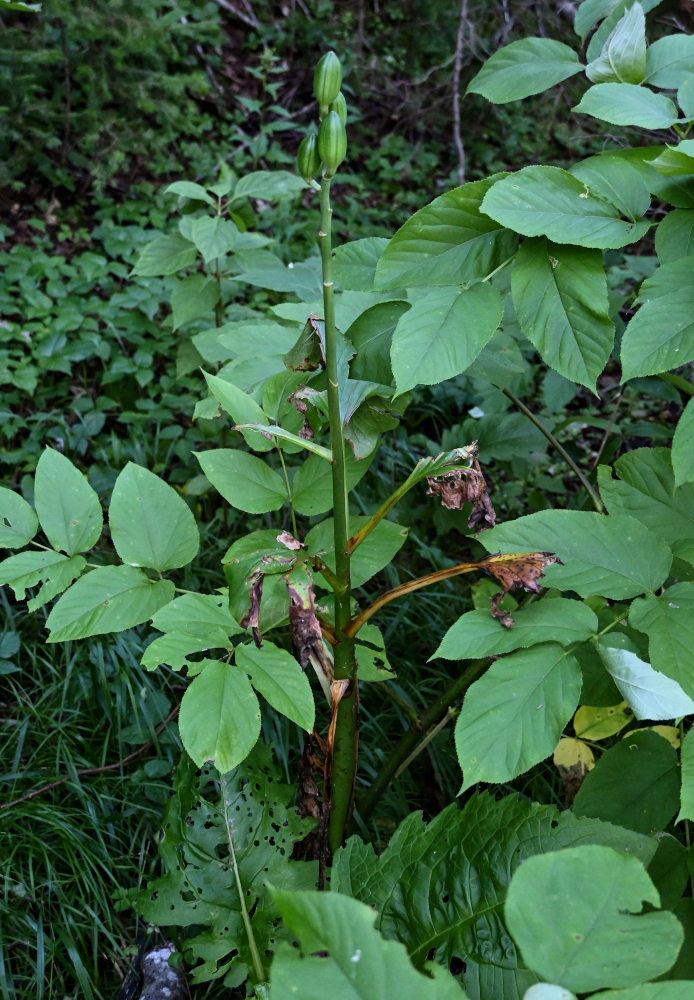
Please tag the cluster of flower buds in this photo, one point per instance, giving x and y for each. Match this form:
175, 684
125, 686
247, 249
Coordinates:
329, 148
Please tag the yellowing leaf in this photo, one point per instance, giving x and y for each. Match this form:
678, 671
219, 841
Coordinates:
571, 751
669, 733
599, 723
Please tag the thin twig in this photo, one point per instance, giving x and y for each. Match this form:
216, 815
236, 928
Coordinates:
457, 70
95, 770
249, 18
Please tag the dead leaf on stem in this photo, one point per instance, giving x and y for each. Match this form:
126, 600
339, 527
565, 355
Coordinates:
251, 618
304, 626
461, 486
517, 569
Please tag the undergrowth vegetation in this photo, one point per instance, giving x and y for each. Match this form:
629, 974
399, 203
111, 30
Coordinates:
348, 548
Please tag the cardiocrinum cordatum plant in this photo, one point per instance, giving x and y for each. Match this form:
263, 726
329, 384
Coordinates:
502, 898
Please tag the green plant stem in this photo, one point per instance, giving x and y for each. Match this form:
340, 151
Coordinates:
409, 740
421, 747
592, 493
344, 756
678, 381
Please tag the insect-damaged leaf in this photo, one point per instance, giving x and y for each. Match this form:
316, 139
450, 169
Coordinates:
459, 487
304, 626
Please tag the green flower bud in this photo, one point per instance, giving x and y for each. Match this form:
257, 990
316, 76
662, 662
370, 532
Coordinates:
332, 142
307, 159
327, 80
340, 105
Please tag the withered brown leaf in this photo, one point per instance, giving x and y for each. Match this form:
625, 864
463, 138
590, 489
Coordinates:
303, 624
251, 618
519, 569
461, 486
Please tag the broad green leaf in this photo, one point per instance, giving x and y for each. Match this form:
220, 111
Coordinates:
547, 201
670, 990
312, 488
372, 335
623, 56
245, 481
219, 719
175, 647
108, 599
241, 407
513, 716
280, 679
192, 297
615, 557
522, 68
548, 991
197, 614
687, 794
591, 11
504, 436
627, 104
442, 334
376, 551
165, 255
602, 938
264, 270
283, 435
214, 236
188, 189
674, 237
355, 962
649, 693
635, 783
661, 334
426, 885
682, 454
560, 298
668, 621
18, 520
55, 571
270, 185
477, 634
448, 242
151, 524
670, 61
354, 264
685, 97
612, 13
67, 506
370, 653
617, 180
646, 490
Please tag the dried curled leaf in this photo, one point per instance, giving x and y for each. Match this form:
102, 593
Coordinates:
286, 538
460, 486
251, 618
520, 569
304, 626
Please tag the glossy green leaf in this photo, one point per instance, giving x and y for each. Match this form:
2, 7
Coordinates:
376, 551
687, 793
426, 885
245, 481
67, 506
193, 297
372, 335
668, 621
682, 454
602, 938
616, 179
442, 334
279, 678
242, 408
355, 962
18, 520
165, 255
674, 237
560, 298
197, 614
219, 720
108, 599
354, 264
627, 104
524, 67
151, 524
477, 634
635, 783
312, 488
514, 715
615, 557
547, 201
670, 61
623, 56
649, 693
661, 334
447, 242
270, 185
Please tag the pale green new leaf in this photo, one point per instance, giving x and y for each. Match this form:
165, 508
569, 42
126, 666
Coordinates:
560, 298
270, 185
616, 556
244, 480
612, 13
214, 236
524, 67
477, 634
591, 11
623, 56
67, 506
108, 599
279, 678
18, 520
674, 237
682, 454
547, 201
241, 407
627, 104
188, 189
670, 61
448, 242
649, 693
514, 715
687, 795
442, 334
661, 334
219, 720
165, 255
602, 938
151, 524
668, 620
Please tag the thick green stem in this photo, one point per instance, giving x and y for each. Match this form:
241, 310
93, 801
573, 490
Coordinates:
408, 742
344, 758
